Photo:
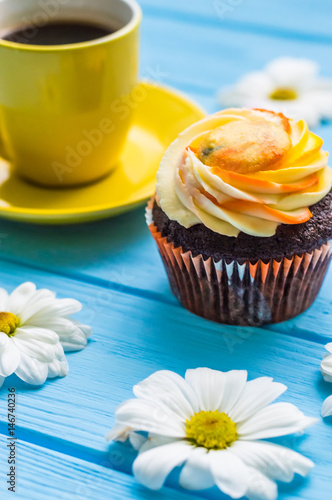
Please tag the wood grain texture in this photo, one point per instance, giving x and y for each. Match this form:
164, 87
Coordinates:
206, 58
134, 336
43, 473
276, 17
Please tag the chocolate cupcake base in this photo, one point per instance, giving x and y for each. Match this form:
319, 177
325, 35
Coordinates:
242, 292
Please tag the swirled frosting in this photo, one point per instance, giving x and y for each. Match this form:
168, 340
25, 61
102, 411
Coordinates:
243, 170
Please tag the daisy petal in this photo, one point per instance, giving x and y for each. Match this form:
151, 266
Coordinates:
256, 83
152, 467
37, 301
257, 394
327, 407
301, 109
235, 382
31, 370
119, 433
171, 390
279, 419
252, 88
41, 334
55, 308
289, 72
72, 335
229, 472
276, 462
9, 355
150, 416
260, 486
326, 367
196, 474
86, 329
209, 387
328, 347
2, 379
20, 296
58, 368
45, 352
137, 440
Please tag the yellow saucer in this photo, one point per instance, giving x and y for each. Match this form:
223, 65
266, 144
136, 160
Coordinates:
158, 119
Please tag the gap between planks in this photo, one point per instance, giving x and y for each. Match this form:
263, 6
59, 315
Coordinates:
51, 445
43, 469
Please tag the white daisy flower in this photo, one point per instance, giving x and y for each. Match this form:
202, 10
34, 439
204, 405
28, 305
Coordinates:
288, 85
326, 369
214, 424
35, 329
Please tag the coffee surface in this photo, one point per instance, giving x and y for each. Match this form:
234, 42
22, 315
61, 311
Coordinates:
58, 33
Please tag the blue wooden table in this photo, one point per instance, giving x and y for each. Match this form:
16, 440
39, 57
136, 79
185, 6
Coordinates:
114, 269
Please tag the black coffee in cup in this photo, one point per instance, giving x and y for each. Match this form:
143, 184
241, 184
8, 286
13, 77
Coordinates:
58, 33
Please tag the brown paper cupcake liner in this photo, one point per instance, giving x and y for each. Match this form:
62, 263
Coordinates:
246, 294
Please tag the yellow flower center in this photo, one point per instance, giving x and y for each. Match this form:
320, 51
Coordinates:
212, 429
283, 94
8, 323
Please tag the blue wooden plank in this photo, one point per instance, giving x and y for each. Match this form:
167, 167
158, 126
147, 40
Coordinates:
43, 473
278, 17
117, 254
206, 58
135, 336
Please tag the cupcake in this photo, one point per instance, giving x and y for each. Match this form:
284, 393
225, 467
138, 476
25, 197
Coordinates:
243, 217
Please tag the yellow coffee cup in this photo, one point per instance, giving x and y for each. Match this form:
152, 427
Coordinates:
63, 112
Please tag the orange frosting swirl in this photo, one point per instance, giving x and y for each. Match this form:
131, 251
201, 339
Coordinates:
243, 170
